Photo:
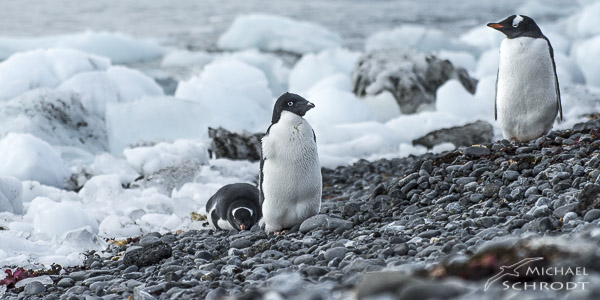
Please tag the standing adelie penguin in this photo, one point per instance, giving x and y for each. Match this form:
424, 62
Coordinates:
290, 173
527, 93
234, 207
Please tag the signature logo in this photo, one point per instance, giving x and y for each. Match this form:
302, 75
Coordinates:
510, 270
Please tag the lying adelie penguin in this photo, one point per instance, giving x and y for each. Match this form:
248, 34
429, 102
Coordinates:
527, 92
234, 207
290, 173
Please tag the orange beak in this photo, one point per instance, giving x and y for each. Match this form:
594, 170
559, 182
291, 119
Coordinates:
495, 25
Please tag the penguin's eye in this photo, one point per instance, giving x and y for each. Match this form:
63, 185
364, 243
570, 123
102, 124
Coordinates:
290, 103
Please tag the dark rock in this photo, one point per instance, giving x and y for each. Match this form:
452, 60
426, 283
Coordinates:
561, 211
148, 255
337, 252
589, 198
591, 215
241, 243
411, 85
473, 133
34, 288
226, 144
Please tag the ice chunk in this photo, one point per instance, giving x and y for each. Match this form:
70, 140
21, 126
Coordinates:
10, 195
383, 107
185, 59
156, 119
120, 48
29, 158
149, 160
488, 63
44, 68
103, 188
482, 38
417, 37
117, 84
586, 56
236, 94
585, 23
312, 68
107, 164
56, 117
57, 219
567, 70
272, 66
333, 106
119, 227
277, 33
454, 99
459, 58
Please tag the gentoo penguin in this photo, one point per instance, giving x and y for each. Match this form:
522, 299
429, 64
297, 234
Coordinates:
234, 207
290, 173
527, 93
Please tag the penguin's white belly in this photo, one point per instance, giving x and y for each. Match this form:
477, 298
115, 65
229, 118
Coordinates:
292, 181
526, 94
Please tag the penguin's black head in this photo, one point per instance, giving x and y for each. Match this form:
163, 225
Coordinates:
292, 103
242, 218
518, 26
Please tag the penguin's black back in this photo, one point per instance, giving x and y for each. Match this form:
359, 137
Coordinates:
228, 194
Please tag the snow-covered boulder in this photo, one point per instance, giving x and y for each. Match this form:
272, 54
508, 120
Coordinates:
116, 84
473, 133
235, 94
56, 117
155, 119
277, 33
232, 145
10, 195
149, 160
28, 158
411, 77
120, 48
44, 68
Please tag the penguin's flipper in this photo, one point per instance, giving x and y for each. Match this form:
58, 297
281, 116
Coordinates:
496, 97
556, 86
314, 135
261, 196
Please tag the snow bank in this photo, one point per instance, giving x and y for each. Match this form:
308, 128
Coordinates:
155, 119
44, 68
120, 48
149, 160
56, 117
105, 163
29, 158
277, 33
235, 94
312, 68
416, 37
10, 195
116, 84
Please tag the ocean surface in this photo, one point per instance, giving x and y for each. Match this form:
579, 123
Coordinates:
197, 24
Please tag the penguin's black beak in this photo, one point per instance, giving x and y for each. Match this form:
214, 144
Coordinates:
309, 105
497, 26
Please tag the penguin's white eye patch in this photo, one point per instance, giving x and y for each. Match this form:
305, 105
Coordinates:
517, 20
290, 103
